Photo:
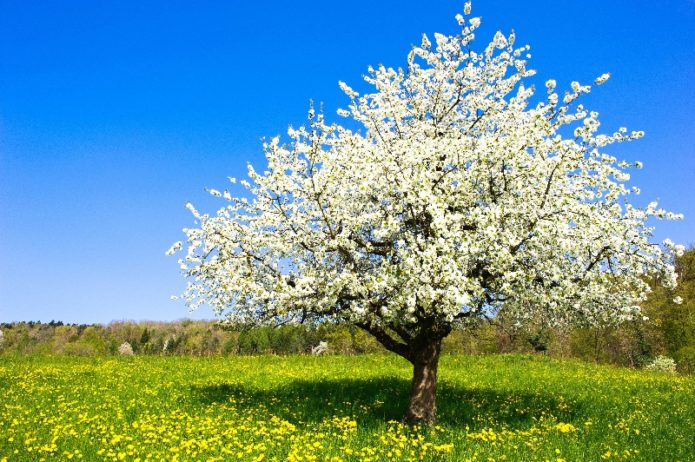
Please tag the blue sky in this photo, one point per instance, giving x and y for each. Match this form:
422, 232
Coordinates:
114, 114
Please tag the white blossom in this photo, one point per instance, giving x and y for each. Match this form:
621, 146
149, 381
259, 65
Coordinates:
174, 248
167, 343
192, 209
319, 349
662, 364
425, 43
347, 90
125, 349
603, 78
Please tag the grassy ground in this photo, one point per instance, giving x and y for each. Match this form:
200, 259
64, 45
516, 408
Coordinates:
334, 408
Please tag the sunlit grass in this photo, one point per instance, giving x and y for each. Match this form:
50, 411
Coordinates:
338, 408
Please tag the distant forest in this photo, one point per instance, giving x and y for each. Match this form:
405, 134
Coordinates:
669, 331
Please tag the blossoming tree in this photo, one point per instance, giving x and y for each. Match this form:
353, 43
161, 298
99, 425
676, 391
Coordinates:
461, 196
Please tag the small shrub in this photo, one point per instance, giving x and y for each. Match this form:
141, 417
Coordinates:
319, 349
79, 349
662, 364
340, 341
165, 347
125, 349
685, 358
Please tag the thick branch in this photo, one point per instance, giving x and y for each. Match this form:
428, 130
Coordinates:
385, 339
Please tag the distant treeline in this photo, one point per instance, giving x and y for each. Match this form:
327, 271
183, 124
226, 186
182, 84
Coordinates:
670, 331
186, 337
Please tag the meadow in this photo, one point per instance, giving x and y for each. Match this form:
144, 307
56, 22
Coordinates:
338, 408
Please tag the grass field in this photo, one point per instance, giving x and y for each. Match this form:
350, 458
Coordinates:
334, 408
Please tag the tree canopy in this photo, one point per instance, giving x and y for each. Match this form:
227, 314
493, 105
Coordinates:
463, 194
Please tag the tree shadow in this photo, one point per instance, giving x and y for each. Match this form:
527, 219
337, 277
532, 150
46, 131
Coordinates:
378, 400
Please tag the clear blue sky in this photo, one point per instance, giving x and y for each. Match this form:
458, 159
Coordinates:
113, 114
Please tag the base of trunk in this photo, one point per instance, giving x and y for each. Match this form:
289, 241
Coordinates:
421, 415
423, 405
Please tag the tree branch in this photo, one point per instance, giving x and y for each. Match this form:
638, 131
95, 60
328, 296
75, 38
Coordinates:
385, 339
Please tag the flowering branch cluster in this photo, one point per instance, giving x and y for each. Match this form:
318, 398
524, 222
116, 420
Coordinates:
458, 198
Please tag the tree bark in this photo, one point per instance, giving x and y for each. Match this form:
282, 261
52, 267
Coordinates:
423, 405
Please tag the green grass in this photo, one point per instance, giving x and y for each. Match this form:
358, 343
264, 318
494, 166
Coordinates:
336, 408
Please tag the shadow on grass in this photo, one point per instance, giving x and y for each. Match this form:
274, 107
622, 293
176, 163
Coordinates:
378, 400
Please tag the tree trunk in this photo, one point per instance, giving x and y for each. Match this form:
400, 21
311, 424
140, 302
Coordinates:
423, 406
